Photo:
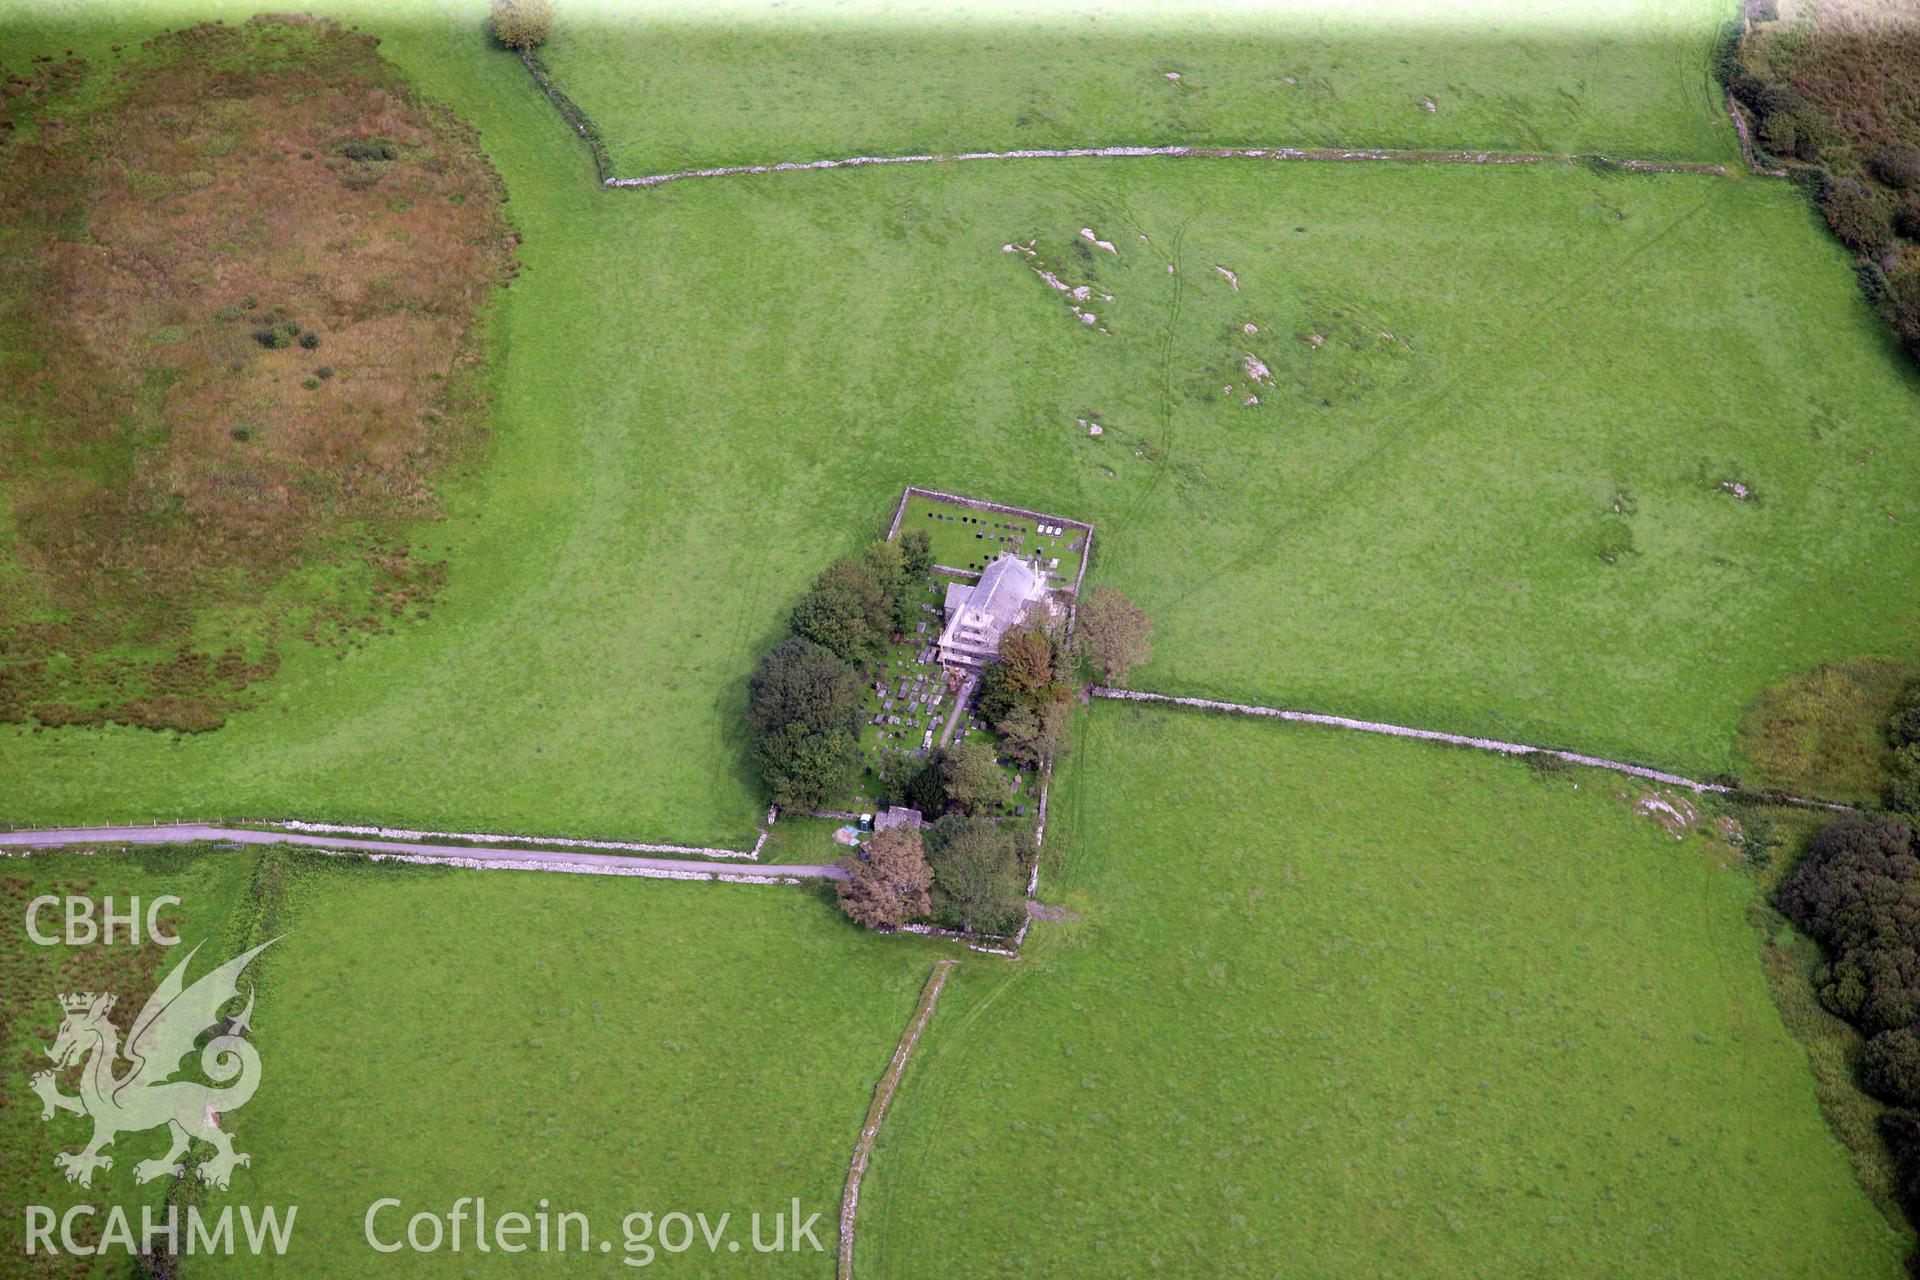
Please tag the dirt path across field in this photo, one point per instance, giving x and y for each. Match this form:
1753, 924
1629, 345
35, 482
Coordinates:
488, 857
1331, 154
877, 1111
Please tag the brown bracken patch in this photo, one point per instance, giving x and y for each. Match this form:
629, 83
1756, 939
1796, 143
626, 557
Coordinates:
241, 282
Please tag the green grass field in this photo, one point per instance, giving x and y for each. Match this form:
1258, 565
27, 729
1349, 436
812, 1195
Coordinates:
637, 1045
1346, 1006
1450, 446
1410, 527
211, 886
676, 86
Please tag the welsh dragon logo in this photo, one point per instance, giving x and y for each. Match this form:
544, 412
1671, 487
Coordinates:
146, 1095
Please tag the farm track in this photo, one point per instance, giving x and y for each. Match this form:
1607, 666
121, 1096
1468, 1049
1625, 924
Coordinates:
1321, 155
877, 1111
487, 857
497, 854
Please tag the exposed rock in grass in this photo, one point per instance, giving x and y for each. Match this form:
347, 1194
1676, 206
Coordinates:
1076, 294
1675, 813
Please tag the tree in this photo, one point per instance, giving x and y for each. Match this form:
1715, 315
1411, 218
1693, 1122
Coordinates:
1829, 894
927, 791
1857, 893
916, 549
1898, 167
1900, 307
1031, 658
978, 881
997, 698
1903, 728
1033, 668
889, 566
857, 578
887, 882
1116, 635
1788, 125
1857, 214
838, 621
1890, 1067
970, 777
1901, 1129
801, 682
1903, 787
1025, 696
805, 769
1034, 733
522, 24
888, 563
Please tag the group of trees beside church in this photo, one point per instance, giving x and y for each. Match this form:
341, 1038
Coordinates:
970, 871
804, 700
1027, 696
806, 703
860, 602
963, 872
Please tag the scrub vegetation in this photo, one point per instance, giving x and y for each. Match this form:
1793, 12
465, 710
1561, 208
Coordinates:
1834, 88
240, 288
1857, 893
1826, 732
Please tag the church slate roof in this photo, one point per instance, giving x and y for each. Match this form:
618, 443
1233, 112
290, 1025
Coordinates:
978, 617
